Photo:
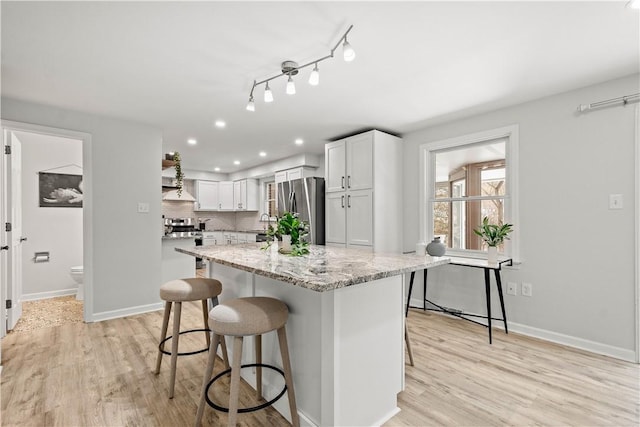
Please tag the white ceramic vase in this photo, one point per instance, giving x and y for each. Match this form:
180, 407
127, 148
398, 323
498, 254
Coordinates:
492, 254
286, 242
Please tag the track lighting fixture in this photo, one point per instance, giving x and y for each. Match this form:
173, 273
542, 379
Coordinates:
291, 68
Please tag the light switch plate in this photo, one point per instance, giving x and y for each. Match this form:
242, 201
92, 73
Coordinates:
143, 207
615, 201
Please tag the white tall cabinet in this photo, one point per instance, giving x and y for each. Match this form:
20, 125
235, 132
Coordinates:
364, 192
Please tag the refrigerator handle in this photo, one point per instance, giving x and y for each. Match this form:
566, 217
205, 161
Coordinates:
292, 202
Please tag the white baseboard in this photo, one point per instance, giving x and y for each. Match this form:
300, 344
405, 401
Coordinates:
129, 311
49, 294
594, 347
571, 341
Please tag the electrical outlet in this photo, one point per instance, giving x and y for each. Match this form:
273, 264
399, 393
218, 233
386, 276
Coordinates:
527, 289
512, 288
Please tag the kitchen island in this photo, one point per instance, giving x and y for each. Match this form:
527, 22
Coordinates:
345, 328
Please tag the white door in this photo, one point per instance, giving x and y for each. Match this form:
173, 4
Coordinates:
335, 207
13, 203
360, 162
360, 218
335, 166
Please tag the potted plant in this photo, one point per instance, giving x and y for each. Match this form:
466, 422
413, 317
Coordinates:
179, 174
493, 235
292, 232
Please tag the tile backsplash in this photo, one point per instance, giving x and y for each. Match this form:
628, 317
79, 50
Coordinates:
215, 220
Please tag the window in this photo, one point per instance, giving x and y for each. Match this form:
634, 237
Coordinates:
466, 179
270, 199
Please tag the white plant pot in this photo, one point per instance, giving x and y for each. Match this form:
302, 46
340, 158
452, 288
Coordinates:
492, 254
286, 242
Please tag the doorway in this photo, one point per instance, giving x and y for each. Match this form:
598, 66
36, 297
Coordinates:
52, 219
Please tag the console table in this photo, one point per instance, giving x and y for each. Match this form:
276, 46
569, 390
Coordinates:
473, 263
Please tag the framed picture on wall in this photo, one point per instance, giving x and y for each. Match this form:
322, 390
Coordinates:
59, 190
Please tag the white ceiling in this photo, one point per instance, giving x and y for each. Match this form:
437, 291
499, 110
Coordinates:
180, 66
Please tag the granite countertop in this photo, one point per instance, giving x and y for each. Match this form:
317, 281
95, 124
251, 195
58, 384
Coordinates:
325, 268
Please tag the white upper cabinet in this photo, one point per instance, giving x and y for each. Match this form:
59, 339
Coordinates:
335, 166
359, 162
246, 196
226, 196
294, 173
206, 195
349, 163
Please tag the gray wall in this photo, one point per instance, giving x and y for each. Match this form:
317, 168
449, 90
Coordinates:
577, 254
122, 167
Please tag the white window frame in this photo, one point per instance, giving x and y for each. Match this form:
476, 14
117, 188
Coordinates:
263, 196
511, 201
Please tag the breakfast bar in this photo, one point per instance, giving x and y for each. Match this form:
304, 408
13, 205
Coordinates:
345, 327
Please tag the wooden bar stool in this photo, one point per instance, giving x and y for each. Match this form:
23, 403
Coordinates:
238, 318
179, 291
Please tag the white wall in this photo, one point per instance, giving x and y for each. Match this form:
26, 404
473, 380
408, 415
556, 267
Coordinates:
55, 230
122, 248
578, 254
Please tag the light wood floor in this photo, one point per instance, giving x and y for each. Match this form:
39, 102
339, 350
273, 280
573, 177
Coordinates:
101, 375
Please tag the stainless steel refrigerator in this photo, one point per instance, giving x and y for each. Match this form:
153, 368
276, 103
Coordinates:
305, 197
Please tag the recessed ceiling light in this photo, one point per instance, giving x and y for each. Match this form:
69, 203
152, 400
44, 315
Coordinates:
217, 169
299, 141
220, 124
192, 141
236, 162
263, 154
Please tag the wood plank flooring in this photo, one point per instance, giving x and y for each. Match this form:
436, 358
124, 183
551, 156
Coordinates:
101, 374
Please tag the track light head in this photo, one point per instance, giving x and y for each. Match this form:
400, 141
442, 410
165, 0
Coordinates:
251, 106
268, 96
314, 77
347, 51
291, 86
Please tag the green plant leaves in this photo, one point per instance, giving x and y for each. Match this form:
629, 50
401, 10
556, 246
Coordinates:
290, 224
493, 234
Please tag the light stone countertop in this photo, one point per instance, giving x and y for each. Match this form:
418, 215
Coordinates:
324, 269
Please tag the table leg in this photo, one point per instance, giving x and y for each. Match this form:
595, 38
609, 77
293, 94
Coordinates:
499, 285
406, 310
487, 280
424, 291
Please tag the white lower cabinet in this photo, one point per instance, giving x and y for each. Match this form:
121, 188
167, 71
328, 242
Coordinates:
360, 218
349, 218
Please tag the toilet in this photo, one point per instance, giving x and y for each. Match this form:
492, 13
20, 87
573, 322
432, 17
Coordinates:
77, 274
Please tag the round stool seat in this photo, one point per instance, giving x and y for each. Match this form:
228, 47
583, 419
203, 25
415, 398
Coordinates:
248, 316
192, 289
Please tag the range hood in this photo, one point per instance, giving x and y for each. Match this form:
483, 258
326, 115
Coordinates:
172, 195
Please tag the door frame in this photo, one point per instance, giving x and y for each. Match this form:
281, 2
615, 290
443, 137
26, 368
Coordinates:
637, 231
87, 205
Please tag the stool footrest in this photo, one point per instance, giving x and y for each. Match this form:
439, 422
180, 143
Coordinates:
251, 409
189, 353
